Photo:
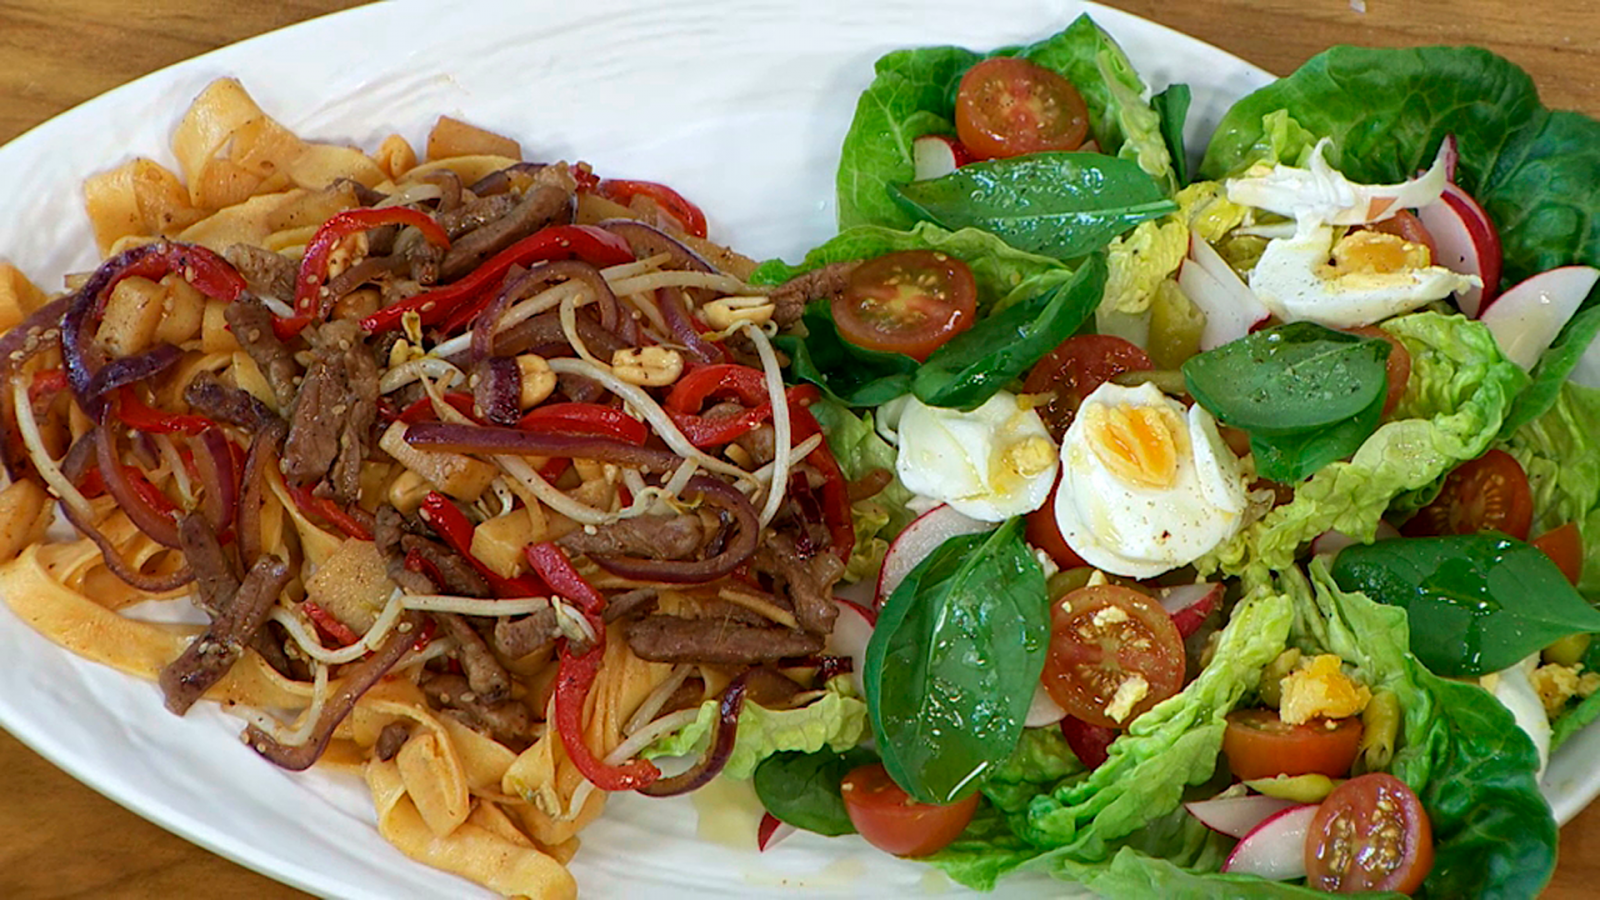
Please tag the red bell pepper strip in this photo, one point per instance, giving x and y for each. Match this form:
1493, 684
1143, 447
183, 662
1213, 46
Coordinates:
574, 678
134, 413
430, 627
421, 409
556, 569
689, 216
314, 265
452, 525
329, 625
589, 419
689, 394
47, 381
331, 512
463, 299
149, 493
835, 491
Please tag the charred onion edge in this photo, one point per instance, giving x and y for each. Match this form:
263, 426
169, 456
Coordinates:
724, 733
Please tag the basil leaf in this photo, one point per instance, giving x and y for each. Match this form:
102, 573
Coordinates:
1172, 105
802, 789
1295, 457
1289, 379
1058, 204
855, 376
953, 662
981, 360
1477, 603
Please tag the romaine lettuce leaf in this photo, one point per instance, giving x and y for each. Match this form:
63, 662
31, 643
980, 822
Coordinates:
1460, 389
1560, 451
837, 720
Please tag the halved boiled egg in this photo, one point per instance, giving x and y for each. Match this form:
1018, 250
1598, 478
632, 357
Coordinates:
1146, 486
992, 463
1365, 277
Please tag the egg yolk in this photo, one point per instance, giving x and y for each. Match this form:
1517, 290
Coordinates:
1139, 445
1376, 253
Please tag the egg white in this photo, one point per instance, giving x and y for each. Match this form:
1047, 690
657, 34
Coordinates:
961, 458
1141, 532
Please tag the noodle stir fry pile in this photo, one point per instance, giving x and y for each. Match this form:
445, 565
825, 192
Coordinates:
481, 471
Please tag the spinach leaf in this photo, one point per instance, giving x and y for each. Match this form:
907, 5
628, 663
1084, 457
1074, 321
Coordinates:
953, 661
1289, 379
855, 376
1058, 204
980, 361
802, 789
1172, 105
912, 95
1477, 603
1293, 457
1494, 837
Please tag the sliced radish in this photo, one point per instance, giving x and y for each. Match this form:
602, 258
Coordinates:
937, 155
1237, 816
852, 630
921, 538
1232, 309
772, 831
1587, 371
1190, 604
1275, 849
1467, 243
1043, 710
1526, 319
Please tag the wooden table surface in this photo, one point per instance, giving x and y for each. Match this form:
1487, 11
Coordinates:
59, 839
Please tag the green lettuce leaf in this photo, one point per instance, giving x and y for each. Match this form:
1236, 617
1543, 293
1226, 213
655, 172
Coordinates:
859, 450
1560, 451
837, 720
1460, 389
913, 94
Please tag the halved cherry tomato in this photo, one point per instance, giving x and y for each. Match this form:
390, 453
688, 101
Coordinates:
1406, 226
1044, 531
894, 823
1008, 106
909, 302
1564, 546
1261, 745
1489, 493
1397, 369
1102, 637
1074, 369
1370, 834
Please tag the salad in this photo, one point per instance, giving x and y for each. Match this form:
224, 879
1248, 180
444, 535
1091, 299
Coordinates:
1240, 490
1121, 420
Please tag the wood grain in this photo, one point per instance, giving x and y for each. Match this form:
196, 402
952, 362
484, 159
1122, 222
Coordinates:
59, 839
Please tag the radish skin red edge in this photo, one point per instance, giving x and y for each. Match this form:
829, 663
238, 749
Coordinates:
1276, 848
937, 155
1467, 243
918, 540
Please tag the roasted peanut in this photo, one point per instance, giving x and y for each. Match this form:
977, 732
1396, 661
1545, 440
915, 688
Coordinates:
647, 366
730, 312
538, 382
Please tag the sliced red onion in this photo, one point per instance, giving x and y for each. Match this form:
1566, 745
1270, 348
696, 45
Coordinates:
158, 527
540, 276
74, 466
213, 461
497, 389
264, 449
647, 240
463, 438
724, 734
127, 370
353, 682
735, 550
676, 314
1090, 743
